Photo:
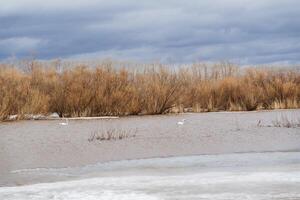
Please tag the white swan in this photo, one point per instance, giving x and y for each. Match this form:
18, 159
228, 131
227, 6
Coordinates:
65, 123
181, 122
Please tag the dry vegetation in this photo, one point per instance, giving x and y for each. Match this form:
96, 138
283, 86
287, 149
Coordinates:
81, 90
286, 122
111, 134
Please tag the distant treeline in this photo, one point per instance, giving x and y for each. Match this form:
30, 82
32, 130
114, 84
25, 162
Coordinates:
40, 88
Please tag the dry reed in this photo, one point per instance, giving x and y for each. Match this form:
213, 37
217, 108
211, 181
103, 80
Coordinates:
157, 89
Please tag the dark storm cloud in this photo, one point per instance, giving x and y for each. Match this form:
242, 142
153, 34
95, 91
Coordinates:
246, 31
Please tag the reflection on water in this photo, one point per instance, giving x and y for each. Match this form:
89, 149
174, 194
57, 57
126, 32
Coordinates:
233, 176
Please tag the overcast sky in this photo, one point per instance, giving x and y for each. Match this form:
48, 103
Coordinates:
172, 31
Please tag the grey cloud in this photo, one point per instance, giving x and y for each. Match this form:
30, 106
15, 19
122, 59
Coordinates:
246, 31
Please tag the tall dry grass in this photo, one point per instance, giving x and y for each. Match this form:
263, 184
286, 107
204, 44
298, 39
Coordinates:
157, 89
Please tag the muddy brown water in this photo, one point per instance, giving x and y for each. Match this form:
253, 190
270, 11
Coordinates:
47, 144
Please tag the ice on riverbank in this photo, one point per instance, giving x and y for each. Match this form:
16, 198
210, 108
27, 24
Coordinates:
252, 176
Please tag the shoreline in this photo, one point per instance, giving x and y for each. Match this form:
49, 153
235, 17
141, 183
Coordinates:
40, 117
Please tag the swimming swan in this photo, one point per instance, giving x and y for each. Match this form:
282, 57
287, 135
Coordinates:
181, 122
65, 123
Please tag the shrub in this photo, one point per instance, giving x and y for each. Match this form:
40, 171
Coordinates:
82, 90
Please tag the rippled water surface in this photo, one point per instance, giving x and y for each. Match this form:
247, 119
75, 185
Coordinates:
254, 176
